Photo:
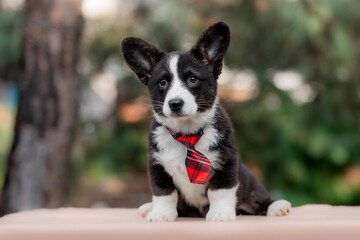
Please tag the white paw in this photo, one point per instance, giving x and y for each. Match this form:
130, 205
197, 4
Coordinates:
162, 215
221, 215
144, 209
279, 208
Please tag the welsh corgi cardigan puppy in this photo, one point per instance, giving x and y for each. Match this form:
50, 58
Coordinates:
183, 91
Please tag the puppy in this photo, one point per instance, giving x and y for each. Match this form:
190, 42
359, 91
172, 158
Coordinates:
185, 105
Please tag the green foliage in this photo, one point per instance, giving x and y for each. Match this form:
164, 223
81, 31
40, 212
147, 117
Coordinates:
10, 38
113, 150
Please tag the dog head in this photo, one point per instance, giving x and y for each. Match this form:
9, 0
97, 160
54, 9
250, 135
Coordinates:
182, 84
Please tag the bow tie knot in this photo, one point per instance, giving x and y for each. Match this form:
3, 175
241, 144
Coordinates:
198, 166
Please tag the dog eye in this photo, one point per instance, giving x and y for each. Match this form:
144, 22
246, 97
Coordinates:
193, 79
162, 83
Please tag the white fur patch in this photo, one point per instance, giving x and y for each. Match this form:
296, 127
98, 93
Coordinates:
172, 156
222, 205
163, 208
178, 91
279, 208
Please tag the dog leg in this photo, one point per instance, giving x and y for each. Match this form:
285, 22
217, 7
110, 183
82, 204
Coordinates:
163, 208
222, 205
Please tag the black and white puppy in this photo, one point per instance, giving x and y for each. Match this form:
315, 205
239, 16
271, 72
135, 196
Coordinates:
183, 91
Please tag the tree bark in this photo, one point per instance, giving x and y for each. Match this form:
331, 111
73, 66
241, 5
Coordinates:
39, 162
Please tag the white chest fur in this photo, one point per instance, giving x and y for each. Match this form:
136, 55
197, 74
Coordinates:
172, 156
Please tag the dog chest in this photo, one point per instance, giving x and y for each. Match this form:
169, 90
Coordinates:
171, 156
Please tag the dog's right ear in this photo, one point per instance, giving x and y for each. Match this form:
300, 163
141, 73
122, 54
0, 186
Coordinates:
141, 57
212, 46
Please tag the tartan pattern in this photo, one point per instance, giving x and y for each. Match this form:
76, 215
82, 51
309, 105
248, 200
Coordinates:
198, 166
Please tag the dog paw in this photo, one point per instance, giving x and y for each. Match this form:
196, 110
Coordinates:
221, 215
279, 208
144, 209
162, 215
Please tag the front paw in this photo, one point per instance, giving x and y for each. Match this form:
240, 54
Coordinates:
162, 215
221, 215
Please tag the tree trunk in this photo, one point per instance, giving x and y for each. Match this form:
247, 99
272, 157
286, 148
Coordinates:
38, 165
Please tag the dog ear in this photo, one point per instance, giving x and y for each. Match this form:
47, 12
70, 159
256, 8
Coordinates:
141, 57
212, 45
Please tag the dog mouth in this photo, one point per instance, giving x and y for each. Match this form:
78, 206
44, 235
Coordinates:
179, 115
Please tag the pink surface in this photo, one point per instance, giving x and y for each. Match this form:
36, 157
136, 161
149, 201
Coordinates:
305, 222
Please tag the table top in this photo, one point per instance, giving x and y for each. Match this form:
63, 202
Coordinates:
305, 222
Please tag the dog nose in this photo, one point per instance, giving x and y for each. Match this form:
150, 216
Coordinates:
176, 104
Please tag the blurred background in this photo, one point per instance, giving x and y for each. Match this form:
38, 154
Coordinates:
290, 83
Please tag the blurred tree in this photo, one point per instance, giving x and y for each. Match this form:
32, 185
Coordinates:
38, 165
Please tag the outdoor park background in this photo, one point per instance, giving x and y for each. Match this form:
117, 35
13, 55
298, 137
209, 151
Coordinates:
291, 85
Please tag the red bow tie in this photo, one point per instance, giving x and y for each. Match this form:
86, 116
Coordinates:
198, 166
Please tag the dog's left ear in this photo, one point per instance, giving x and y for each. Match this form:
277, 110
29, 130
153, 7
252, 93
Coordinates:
212, 46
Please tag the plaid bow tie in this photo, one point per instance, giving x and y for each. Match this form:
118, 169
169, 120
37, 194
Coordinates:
198, 166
